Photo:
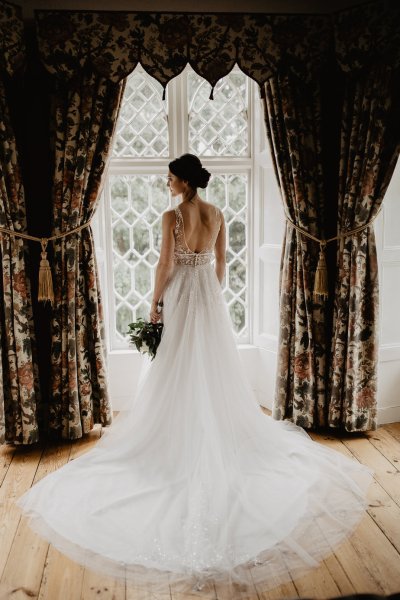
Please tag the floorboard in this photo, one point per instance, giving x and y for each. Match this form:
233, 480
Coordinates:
368, 561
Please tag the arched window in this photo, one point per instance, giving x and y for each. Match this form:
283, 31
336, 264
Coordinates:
149, 133
142, 127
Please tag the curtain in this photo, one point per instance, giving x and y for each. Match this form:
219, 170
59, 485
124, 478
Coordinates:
370, 145
369, 148
293, 122
84, 116
323, 378
19, 384
113, 43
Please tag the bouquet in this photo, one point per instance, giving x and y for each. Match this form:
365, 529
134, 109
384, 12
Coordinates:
146, 336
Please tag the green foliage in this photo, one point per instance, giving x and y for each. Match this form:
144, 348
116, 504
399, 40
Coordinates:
145, 336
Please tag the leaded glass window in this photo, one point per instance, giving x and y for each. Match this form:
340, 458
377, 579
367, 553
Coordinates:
142, 127
218, 127
137, 203
229, 193
150, 132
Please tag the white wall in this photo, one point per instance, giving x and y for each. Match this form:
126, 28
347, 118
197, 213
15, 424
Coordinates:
268, 237
387, 230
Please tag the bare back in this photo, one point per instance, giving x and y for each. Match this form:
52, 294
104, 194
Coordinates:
199, 221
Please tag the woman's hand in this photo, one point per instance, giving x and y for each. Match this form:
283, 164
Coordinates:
155, 315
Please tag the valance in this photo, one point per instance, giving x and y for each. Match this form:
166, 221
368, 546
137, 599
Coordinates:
113, 43
12, 47
368, 34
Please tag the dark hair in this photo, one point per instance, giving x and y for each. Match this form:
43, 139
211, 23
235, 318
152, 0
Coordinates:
189, 168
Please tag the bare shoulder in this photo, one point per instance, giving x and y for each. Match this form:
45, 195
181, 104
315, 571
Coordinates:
168, 221
218, 212
168, 216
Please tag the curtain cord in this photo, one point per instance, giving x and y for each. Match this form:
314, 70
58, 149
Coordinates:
45, 288
321, 274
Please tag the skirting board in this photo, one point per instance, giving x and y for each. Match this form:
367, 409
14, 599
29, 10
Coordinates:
388, 414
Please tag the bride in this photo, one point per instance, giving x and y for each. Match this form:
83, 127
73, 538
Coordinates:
195, 486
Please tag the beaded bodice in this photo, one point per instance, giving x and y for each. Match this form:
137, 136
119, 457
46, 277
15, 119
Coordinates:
183, 255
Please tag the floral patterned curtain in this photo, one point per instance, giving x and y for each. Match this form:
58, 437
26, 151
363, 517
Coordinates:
367, 45
19, 385
113, 43
293, 122
84, 119
369, 148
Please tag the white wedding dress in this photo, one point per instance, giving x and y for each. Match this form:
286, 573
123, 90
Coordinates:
195, 485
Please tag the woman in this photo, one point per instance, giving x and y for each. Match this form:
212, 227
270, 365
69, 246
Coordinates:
196, 485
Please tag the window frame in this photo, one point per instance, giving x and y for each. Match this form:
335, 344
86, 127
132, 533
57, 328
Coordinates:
178, 127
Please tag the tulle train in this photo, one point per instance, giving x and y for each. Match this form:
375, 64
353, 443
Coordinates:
195, 487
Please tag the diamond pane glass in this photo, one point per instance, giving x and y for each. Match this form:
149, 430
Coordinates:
218, 127
137, 203
142, 127
229, 193
137, 243
123, 318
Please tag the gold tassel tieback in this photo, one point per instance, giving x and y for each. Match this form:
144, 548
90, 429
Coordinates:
45, 292
321, 274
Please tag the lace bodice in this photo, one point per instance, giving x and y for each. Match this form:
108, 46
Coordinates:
183, 255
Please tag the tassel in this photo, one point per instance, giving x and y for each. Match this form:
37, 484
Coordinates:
321, 275
45, 293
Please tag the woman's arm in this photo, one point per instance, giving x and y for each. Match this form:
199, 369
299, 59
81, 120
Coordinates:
220, 251
165, 265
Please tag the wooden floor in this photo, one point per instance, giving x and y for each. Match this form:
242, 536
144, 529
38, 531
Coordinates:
367, 562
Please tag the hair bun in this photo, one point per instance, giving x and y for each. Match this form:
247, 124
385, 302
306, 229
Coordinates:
188, 167
204, 176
